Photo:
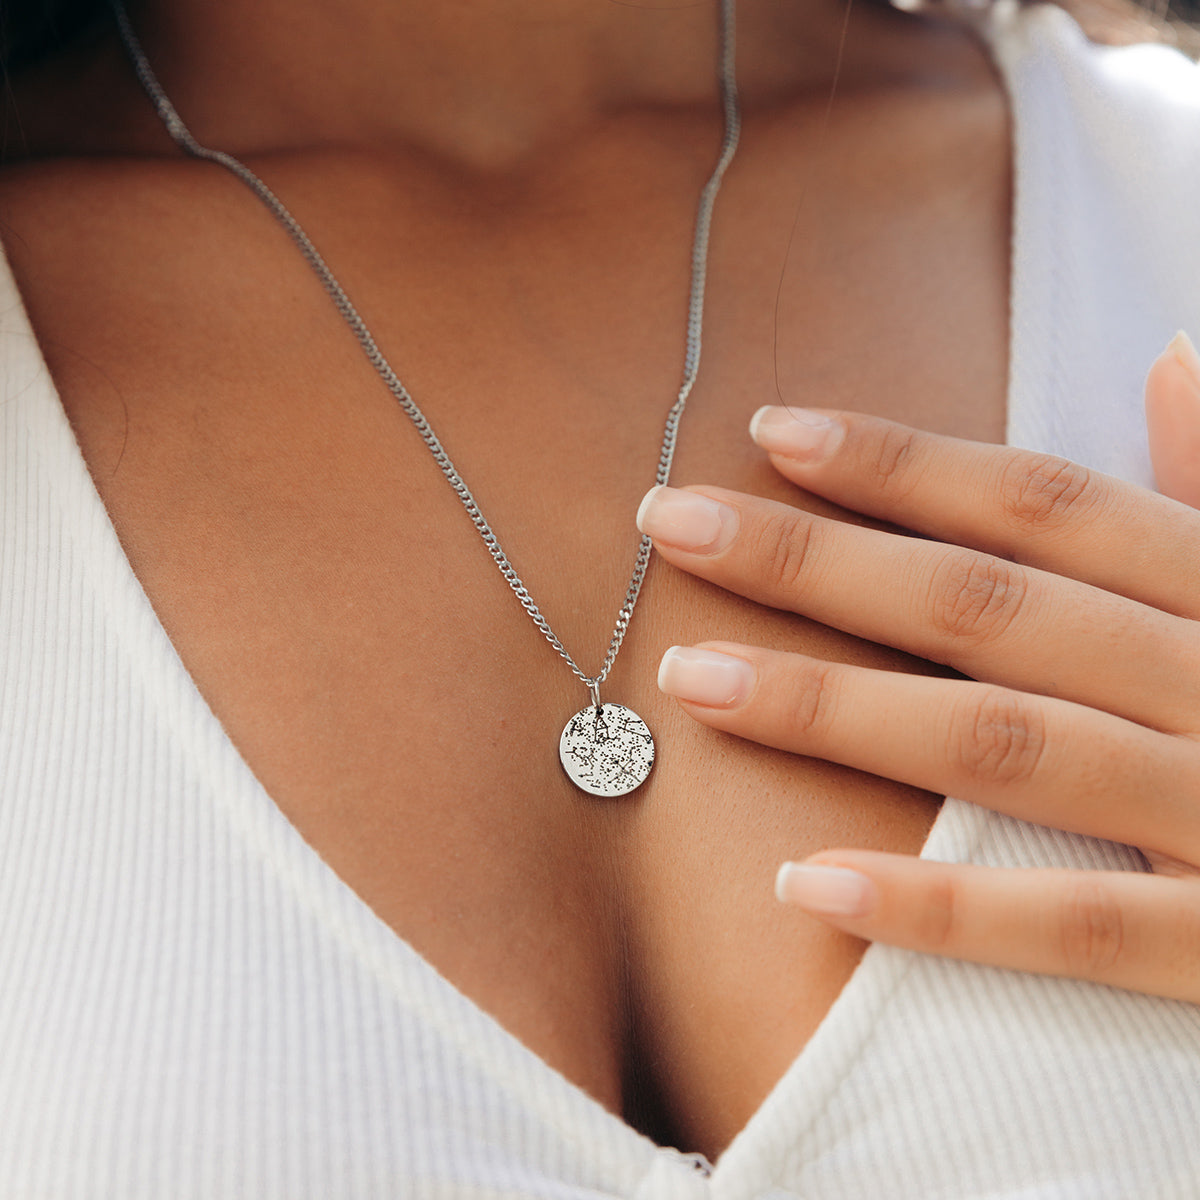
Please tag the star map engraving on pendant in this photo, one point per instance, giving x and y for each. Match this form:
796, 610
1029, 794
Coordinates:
607, 751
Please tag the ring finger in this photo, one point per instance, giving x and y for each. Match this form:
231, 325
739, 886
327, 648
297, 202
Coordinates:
984, 616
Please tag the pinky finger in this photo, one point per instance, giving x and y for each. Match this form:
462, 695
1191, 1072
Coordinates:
1131, 930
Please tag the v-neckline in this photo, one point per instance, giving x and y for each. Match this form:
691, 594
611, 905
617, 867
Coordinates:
746, 1164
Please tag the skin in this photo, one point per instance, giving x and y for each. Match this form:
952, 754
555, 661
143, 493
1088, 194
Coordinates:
1082, 709
520, 248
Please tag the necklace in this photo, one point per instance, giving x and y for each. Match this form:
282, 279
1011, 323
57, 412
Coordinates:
605, 748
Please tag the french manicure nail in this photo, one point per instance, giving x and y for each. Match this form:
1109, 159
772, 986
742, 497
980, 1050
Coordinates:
797, 432
686, 520
1185, 352
705, 677
832, 891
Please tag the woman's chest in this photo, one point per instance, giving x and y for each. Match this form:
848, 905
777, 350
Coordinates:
326, 591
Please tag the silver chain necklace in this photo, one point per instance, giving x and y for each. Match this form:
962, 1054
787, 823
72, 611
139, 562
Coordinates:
605, 748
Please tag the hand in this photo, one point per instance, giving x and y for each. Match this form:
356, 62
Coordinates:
1076, 615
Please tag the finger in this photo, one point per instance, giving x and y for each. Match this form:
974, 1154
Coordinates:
1173, 420
1038, 759
1130, 930
1031, 508
982, 615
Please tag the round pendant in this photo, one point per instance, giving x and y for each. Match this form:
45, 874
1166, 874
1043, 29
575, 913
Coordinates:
607, 751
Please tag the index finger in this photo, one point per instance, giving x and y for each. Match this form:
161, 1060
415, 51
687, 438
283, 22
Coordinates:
1029, 507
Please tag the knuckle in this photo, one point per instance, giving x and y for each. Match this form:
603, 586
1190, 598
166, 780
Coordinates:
782, 547
937, 921
890, 457
811, 704
976, 596
1091, 929
1002, 739
1042, 491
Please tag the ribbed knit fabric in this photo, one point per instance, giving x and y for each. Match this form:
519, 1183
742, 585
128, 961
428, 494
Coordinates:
192, 1005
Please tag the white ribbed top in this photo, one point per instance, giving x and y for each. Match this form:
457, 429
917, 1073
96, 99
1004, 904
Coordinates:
192, 1005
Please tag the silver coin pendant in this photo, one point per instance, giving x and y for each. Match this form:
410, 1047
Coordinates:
607, 750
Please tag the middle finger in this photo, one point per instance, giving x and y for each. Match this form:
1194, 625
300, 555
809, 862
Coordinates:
984, 616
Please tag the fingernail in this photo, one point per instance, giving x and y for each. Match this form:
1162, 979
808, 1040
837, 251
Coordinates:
686, 520
705, 677
833, 891
1185, 352
797, 432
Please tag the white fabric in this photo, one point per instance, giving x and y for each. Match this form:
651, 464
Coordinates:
193, 1006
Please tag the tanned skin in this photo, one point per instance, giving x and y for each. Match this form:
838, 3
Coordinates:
506, 188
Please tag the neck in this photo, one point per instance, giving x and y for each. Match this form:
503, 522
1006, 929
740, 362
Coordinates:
485, 82
484, 85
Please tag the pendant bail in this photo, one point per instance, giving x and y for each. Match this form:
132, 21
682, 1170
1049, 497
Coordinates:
594, 688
